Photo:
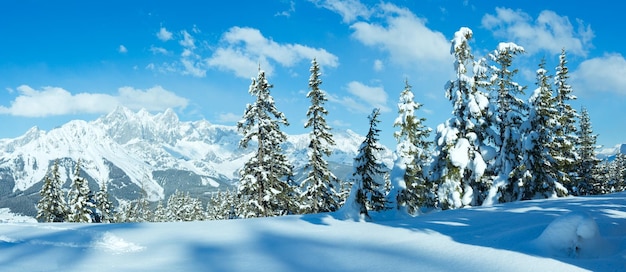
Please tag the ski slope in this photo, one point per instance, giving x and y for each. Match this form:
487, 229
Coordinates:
567, 234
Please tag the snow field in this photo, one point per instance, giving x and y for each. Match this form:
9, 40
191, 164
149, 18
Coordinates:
567, 234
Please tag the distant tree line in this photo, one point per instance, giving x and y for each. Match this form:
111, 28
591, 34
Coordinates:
496, 147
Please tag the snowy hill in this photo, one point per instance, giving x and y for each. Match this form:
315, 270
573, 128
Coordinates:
610, 152
566, 234
139, 150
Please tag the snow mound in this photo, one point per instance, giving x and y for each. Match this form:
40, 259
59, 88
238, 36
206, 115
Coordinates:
573, 235
6, 216
116, 245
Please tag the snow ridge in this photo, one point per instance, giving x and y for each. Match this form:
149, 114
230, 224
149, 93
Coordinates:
140, 143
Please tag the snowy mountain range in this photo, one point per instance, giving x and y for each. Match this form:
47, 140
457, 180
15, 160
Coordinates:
610, 152
139, 151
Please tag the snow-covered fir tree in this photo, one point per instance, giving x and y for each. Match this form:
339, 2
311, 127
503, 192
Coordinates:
410, 187
510, 112
368, 187
182, 207
320, 185
80, 199
160, 213
104, 206
617, 174
585, 182
538, 175
52, 206
459, 166
566, 138
221, 205
262, 183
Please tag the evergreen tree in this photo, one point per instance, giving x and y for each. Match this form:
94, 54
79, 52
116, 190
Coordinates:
81, 204
262, 183
320, 184
459, 166
509, 114
160, 213
103, 204
368, 176
52, 206
617, 174
410, 188
587, 163
538, 173
566, 138
141, 208
182, 207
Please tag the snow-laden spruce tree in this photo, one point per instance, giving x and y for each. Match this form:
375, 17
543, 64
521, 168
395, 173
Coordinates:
566, 138
459, 165
368, 189
263, 187
617, 174
538, 174
182, 207
587, 163
221, 205
160, 213
104, 206
80, 199
52, 206
320, 185
368, 184
510, 111
410, 187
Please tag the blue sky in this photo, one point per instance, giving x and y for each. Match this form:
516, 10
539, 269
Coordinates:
81, 59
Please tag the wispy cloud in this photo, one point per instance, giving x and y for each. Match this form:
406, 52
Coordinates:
349, 10
287, 13
164, 35
188, 41
228, 117
404, 36
378, 65
241, 50
603, 74
122, 49
50, 101
549, 32
158, 50
244, 48
364, 98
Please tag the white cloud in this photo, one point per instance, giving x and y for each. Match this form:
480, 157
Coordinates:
188, 41
158, 50
364, 98
340, 123
602, 74
287, 13
193, 68
245, 46
404, 36
378, 65
375, 96
549, 32
153, 99
242, 64
50, 101
228, 117
349, 10
164, 35
122, 49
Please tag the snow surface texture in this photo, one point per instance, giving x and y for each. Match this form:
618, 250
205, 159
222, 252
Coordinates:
567, 234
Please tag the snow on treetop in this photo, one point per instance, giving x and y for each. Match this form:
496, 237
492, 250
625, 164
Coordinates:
509, 47
460, 37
